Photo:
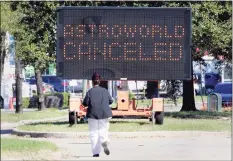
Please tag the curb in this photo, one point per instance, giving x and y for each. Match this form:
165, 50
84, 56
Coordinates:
25, 122
12, 125
34, 134
17, 132
131, 135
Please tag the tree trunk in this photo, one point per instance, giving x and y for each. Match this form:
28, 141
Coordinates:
188, 94
40, 94
2, 56
19, 77
1, 69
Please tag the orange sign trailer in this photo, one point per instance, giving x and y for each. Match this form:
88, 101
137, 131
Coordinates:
125, 107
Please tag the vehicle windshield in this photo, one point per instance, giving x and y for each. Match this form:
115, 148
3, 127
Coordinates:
51, 79
223, 88
32, 81
54, 79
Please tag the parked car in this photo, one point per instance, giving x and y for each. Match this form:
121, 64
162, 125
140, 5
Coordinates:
225, 90
76, 86
47, 88
60, 85
211, 80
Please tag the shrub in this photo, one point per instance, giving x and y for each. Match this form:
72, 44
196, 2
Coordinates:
66, 97
52, 100
25, 102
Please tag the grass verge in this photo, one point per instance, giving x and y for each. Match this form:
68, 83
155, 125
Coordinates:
21, 145
35, 115
178, 121
15, 148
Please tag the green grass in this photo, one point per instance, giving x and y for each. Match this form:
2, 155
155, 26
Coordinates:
25, 149
180, 100
47, 113
178, 121
25, 145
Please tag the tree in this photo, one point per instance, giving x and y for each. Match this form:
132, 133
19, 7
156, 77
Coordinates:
211, 31
9, 23
210, 21
211, 26
36, 40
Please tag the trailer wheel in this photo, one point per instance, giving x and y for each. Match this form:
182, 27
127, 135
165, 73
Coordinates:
150, 119
158, 117
72, 118
82, 120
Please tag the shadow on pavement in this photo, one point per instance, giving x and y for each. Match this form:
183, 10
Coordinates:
82, 156
79, 143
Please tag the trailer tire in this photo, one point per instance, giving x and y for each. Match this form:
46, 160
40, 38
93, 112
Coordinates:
158, 117
72, 118
82, 120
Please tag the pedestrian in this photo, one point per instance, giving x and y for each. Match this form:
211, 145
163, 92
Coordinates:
99, 114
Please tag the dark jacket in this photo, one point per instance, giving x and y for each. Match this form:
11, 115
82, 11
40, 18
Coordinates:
98, 100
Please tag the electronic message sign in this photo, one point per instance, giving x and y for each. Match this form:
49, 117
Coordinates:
124, 42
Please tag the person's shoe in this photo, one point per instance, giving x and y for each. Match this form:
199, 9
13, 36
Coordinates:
105, 146
96, 155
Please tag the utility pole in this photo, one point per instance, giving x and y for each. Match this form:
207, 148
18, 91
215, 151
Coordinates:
19, 77
84, 87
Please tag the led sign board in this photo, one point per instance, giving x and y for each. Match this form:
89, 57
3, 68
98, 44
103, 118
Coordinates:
124, 42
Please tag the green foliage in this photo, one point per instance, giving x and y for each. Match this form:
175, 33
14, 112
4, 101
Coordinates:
63, 96
66, 99
9, 20
25, 102
36, 39
8, 23
211, 27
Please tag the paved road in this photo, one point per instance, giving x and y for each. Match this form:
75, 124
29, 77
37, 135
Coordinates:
192, 145
140, 146
6, 128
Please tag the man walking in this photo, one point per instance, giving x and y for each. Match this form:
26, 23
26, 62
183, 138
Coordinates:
99, 113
